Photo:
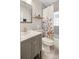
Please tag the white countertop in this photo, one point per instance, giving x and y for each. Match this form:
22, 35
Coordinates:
29, 34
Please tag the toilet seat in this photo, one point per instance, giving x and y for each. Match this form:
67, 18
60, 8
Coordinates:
47, 41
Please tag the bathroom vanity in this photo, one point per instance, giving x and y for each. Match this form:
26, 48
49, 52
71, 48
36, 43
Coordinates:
31, 45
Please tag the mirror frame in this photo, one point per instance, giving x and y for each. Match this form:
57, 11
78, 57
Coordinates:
31, 13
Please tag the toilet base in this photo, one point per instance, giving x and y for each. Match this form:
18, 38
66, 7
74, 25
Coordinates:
46, 47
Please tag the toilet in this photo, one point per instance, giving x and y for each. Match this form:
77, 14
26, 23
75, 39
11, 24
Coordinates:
46, 44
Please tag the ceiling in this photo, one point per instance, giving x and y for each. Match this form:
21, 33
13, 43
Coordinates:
27, 1
46, 3
49, 2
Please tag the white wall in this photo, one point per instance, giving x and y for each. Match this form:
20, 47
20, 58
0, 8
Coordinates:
48, 23
49, 13
37, 7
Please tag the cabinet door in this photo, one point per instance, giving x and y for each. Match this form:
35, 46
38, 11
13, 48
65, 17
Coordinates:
26, 49
36, 45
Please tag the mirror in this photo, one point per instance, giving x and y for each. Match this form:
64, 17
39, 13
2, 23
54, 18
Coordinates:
26, 12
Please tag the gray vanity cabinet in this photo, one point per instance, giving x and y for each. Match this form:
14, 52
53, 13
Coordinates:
26, 49
31, 47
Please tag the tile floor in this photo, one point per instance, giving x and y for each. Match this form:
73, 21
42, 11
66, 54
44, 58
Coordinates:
53, 54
